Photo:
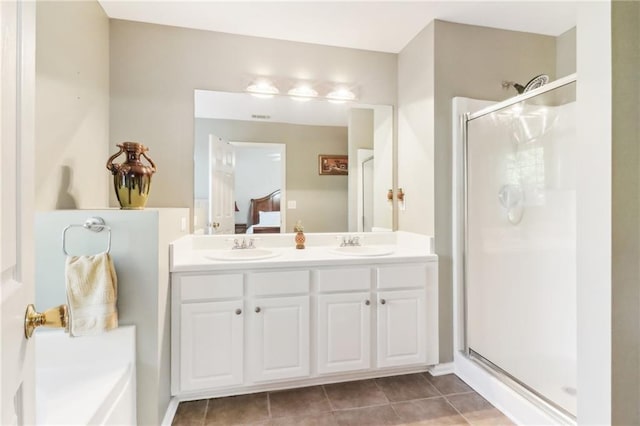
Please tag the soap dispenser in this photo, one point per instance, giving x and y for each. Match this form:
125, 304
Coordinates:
300, 238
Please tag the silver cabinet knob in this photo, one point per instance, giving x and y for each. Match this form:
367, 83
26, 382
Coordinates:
383, 301
238, 311
258, 309
367, 302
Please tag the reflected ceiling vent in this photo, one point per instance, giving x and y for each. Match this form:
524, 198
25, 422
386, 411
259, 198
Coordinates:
260, 117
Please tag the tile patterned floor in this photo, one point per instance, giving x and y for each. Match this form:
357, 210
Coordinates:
413, 399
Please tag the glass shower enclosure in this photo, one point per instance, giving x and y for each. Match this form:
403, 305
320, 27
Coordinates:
520, 241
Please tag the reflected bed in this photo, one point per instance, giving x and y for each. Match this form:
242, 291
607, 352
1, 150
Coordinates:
264, 214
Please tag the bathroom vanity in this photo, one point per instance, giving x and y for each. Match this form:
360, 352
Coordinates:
274, 317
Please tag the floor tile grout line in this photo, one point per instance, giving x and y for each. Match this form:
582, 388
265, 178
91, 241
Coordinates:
326, 395
269, 405
206, 409
457, 411
430, 383
382, 390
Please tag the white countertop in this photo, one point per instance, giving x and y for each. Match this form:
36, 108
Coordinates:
194, 253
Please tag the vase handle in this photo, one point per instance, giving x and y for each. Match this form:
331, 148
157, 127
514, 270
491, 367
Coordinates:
113, 168
153, 165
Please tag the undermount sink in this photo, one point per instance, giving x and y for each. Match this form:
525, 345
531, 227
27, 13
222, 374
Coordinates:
362, 251
243, 254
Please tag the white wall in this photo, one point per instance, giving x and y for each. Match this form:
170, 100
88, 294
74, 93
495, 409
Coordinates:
72, 105
594, 212
154, 70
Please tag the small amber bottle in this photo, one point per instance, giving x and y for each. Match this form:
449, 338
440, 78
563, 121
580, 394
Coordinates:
300, 238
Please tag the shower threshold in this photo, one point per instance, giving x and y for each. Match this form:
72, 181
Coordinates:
543, 403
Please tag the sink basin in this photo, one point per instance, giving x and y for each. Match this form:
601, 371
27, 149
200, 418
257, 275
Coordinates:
362, 251
242, 254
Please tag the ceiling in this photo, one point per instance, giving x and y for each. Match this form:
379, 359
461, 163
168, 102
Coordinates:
385, 26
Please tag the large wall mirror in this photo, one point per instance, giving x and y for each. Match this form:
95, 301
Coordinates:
254, 156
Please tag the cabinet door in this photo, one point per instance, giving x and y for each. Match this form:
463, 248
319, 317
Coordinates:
279, 338
344, 330
211, 339
401, 328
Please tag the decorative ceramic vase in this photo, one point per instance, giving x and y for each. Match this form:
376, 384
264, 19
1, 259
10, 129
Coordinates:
132, 179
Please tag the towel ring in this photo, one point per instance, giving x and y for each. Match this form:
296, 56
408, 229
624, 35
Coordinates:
94, 224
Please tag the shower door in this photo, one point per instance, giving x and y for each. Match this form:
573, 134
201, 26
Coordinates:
520, 248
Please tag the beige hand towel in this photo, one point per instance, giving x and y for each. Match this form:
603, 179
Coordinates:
92, 292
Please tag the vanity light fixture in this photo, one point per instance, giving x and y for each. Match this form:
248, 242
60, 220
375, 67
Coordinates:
341, 95
302, 93
263, 89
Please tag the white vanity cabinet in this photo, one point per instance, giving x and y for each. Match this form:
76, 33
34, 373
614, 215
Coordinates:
278, 325
401, 314
272, 328
344, 319
210, 330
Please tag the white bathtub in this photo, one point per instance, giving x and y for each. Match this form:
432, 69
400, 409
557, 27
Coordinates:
86, 380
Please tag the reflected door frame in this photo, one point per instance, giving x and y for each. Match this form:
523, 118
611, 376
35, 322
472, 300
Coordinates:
282, 148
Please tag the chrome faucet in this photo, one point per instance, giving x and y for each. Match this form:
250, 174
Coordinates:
237, 245
350, 241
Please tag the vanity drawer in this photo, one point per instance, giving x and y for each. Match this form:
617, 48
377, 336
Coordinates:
343, 279
275, 283
197, 287
402, 276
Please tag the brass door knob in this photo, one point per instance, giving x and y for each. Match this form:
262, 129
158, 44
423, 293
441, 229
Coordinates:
216, 225
57, 317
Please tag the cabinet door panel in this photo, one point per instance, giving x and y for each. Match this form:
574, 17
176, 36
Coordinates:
211, 345
401, 328
344, 330
279, 338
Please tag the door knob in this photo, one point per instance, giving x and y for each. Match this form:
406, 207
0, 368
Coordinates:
257, 309
238, 311
383, 301
216, 225
367, 302
57, 317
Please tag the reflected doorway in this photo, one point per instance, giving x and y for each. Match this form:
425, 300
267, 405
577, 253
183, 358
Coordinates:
260, 170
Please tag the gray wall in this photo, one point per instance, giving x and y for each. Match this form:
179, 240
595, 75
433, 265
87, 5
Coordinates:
625, 24
72, 105
321, 200
425, 150
415, 132
360, 136
154, 70
566, 53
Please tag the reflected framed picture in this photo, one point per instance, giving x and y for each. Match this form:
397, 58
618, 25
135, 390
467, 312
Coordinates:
333, 164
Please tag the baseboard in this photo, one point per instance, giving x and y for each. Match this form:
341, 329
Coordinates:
442, 369
171, 412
